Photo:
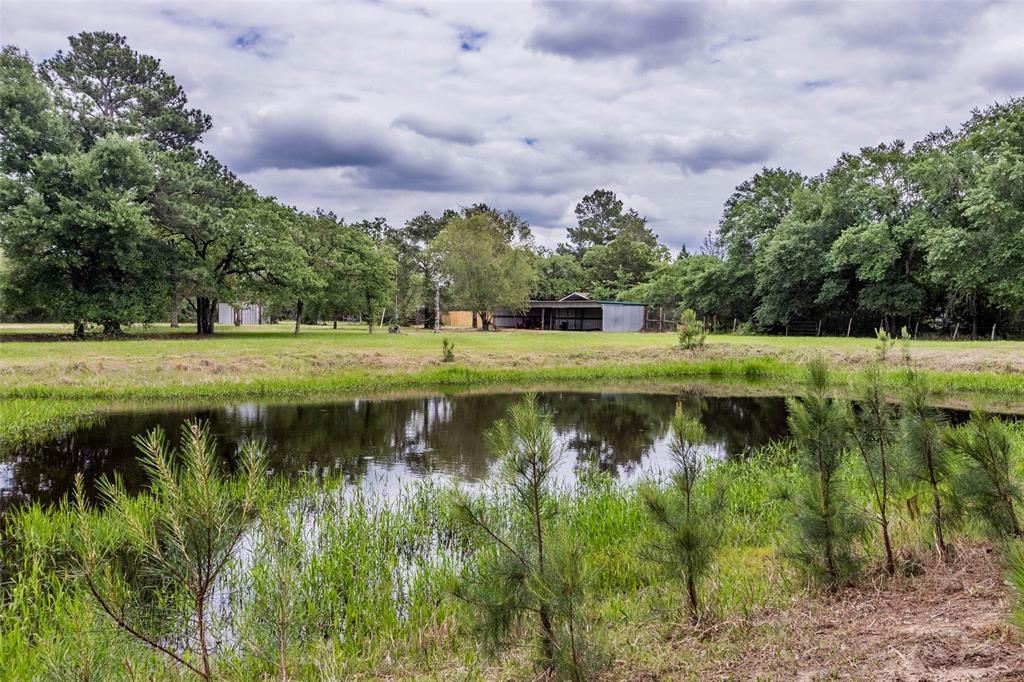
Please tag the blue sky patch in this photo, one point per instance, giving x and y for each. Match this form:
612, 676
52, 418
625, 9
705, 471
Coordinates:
470, 40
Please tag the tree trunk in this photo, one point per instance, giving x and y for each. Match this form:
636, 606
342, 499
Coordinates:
437, 306
335, 322
206, 311
369, 312
890, 562
298, 315
485, 320
940, 541
175, 309
691, 591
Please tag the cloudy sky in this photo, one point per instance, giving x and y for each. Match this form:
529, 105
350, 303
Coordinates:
392, 108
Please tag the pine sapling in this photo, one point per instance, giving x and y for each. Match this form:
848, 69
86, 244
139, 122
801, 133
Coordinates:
985, 480
1014, 573
688, 523
873, 430
518, 574
691, 330
157, 579
925, 457
271, 605
823, 521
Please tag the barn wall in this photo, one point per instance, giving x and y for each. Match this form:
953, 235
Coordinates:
622, 318
248, 314
457, 318
225, 314
251, 314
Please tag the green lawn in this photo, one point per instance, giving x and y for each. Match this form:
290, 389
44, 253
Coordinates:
46, 382
270, 359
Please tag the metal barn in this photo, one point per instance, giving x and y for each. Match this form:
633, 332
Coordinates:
246, 313
575, 312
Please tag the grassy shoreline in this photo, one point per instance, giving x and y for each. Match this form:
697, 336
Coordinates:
49, 386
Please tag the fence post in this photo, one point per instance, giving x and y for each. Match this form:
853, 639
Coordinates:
956, 330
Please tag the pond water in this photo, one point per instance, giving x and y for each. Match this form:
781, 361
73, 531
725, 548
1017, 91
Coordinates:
386, 443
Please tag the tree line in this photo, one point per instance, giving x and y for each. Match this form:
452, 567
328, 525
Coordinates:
113, 214
894, 235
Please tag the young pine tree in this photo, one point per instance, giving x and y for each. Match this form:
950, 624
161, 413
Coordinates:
985, 481
528, 568
688, 522
156, 575
925, 457
273, 602
824, 522
873, 430
1015, 579
690, 329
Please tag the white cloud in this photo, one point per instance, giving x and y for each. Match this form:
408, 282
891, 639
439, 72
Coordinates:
393, 108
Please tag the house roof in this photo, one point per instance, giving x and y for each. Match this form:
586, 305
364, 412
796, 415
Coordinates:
578, 303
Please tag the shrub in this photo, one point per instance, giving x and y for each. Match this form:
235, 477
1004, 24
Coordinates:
1015, 578
925, 456
447, 351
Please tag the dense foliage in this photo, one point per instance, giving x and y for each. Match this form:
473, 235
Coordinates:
112, 215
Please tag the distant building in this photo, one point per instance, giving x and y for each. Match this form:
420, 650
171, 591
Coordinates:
244, 313
576, 312
459, 318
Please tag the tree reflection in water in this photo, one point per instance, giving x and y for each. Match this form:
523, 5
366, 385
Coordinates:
386, 442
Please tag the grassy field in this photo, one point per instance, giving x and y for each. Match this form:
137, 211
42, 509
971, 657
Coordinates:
269, 359
48, 381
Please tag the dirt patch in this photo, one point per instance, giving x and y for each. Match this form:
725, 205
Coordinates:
948, 624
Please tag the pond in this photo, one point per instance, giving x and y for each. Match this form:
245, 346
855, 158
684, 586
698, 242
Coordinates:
385, 443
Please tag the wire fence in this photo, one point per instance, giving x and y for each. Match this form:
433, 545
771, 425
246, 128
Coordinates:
665, 320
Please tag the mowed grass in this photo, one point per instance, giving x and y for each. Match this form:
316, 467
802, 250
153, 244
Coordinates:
269, 360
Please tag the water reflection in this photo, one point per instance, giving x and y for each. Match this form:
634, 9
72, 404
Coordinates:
387, 442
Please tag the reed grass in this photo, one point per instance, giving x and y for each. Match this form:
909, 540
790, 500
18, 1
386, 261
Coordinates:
370, 581
374, 591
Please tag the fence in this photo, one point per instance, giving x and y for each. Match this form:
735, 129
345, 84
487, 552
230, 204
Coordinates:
664, 320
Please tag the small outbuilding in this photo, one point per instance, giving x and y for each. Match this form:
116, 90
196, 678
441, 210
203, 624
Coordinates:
576, 312
244, 313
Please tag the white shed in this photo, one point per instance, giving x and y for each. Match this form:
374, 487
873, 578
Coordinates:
244, 313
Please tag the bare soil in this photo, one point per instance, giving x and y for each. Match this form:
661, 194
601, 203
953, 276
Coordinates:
947, 624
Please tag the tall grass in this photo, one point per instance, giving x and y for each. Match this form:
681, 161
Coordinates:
370, 582
36, 420
332, 584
